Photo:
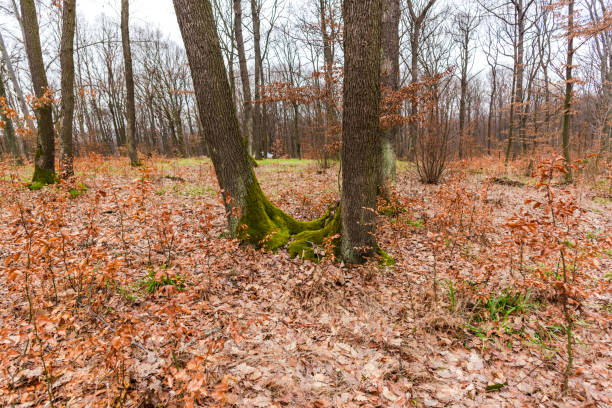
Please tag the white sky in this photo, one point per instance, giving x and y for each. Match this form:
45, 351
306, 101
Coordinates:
156, 13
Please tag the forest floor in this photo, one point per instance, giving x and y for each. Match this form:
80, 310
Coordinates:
131, 293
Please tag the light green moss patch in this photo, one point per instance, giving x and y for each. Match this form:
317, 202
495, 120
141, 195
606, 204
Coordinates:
42, 177
264, 225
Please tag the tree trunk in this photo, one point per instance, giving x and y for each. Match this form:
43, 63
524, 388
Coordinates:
519, 69
464, 88
44, 158
258, 125
390, 80
569, 83
330, 104
247, 119
296, 129
129, 83
414, 77
16, 86
9, 130
491, 107
67, 83
361, 148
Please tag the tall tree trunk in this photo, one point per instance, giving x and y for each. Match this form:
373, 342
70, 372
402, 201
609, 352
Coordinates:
44, 158
414, 78
67, 66
296, 129
361, 149
390, 80
491, 107
464, 88
129, 83
569, 83
518, 72
330, 104
247, 118
258, 125
9, 130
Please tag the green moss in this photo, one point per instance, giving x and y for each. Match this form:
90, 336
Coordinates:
309, 244
78, 191
602, 200
264, 225
385, 258
43, 177
35, 186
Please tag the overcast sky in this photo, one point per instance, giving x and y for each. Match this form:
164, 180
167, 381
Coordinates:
156, 13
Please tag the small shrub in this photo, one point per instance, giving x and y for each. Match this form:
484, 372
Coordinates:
78, 191
154, 281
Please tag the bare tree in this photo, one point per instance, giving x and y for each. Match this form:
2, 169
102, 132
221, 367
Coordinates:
16, 86
390, 79
7, 127
67, 66
247, 121
418, 11
465, 23
569, 85
129, 83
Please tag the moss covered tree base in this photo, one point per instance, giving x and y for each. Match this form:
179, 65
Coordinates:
41, 178
263, 225
311, 244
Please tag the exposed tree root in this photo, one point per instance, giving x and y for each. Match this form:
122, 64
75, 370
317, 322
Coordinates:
263, 225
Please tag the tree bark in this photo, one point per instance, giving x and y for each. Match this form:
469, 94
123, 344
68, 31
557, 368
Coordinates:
390, 80
247, 120
464, 86
129, 83
67, 84
361, 148
519, 69
491, 106
330, 104
44, 158
415, 35
569, 84
258, 123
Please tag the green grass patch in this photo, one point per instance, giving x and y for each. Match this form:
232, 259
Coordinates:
602, 200
151, 282
77, 191
199, 191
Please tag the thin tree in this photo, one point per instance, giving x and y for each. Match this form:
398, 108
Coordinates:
67, 83
16, 86
516, 24
417, 14
259, 126
492, 54
390, 80
465, 24
569, 84
247, 114
129, 83
7, 123
44, 158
